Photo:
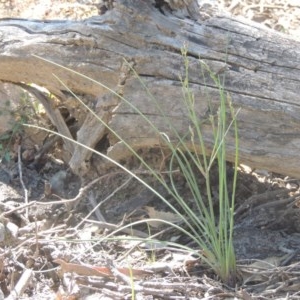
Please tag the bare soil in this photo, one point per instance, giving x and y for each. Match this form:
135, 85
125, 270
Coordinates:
49, 224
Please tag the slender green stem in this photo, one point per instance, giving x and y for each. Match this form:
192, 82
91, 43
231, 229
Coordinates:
208, 218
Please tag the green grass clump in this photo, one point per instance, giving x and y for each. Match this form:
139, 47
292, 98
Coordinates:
213, 231
208, 226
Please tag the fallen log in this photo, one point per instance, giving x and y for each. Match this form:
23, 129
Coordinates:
260, 68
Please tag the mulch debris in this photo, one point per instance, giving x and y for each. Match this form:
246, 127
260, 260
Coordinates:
64, 238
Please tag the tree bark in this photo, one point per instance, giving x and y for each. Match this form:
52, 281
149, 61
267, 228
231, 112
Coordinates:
260, 67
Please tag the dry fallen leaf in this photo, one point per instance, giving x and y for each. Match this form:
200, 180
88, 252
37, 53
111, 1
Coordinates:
79, 269
160, 215
252, 272
97, 271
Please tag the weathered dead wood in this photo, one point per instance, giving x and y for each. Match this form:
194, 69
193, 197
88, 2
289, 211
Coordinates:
261, 69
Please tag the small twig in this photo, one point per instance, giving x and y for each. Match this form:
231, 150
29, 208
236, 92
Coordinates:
53, 114
259, 200
21, 180
112, 294
21, 285
45, 148
58, 229
95, 207
36, 238
113, 227
62, 200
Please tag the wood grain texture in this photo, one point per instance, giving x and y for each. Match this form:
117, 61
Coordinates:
261, 70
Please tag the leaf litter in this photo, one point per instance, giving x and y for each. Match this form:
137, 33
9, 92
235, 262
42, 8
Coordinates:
67, 261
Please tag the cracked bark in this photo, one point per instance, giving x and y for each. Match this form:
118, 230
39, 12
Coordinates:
261, 70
